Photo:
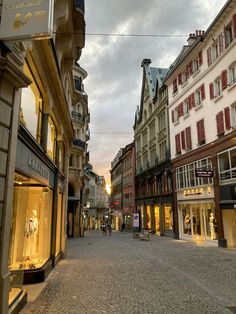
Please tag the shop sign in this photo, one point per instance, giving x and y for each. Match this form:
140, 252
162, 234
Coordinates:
136, 220
26, 19
203, 173
37, 167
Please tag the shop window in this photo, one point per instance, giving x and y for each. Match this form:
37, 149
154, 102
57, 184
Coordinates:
168, 216
51, 139
31, 108
31, 227
59, 224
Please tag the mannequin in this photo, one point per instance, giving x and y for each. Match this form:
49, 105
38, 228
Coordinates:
212, 224
187, 224
31, 234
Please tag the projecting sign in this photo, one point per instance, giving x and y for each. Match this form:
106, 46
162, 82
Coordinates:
203, 173
26, 19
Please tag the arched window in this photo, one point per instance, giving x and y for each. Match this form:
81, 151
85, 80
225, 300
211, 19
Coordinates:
31, 107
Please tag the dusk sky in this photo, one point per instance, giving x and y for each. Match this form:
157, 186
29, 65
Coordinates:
113, 64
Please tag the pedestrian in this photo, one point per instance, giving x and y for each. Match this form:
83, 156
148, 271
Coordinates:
104, 231
123, 226
109, 229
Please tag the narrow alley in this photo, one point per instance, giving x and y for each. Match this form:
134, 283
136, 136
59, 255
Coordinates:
119, 274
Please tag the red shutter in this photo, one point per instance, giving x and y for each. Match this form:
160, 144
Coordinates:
173, 116
200, 131
220, 123
209, 56
181, 109
234, 25
177, 144
189, 100
224, 79
180, 78
202, 89
183, 139
200, 57
188, 138
190, 67
227, 118
220, 37
211, 89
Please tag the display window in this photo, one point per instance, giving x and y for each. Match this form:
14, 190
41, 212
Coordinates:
31, 108
148, 217
51, 139
198, 221
59, 226
31, 226
168, 217
157, 219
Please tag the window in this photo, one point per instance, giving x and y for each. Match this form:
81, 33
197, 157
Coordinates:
161, 121
145, 137
188, 138
228, 34
186, 107
175, 87
198, 97
145, 161
217, 88
61, 156
51, 139
153, 156
232, 75
215, 49
31, 110
185, 175
177, 144
227, 164
152, 130
162, 150
233, 115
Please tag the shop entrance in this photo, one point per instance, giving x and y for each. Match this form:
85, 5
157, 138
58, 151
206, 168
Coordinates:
197, 221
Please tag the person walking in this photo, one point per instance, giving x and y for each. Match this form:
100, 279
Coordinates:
104, 231
109, 229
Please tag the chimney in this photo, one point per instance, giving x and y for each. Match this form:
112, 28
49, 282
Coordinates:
146, 62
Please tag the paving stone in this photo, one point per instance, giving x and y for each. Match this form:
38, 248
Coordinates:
122, 275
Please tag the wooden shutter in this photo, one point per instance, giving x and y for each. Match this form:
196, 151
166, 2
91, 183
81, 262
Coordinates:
220, 37
220, 123
211, 89
227, 118
200, 58
234, 25
209, 56
181, 109
193, 99
189, 100
200, 131
177, 144
188, 138
202, 89
180, 78
183, 139
224, 79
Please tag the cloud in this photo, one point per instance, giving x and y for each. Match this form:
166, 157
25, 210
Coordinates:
113, 64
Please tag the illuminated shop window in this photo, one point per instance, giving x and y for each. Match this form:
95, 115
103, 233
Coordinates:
31, 107
51, 139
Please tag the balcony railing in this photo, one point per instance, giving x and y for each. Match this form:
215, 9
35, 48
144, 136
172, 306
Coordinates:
79, 143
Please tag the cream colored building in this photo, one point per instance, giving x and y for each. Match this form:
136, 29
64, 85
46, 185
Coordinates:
36, 132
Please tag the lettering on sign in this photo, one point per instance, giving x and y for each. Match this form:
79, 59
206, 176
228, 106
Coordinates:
36, 166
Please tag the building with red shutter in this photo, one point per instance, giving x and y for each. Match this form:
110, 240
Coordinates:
202, 117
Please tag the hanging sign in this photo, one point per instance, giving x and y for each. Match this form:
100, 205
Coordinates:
136, 220
26, 19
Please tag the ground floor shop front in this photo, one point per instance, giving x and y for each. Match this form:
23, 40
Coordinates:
156, 217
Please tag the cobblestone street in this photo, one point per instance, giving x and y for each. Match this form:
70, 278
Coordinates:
119, 274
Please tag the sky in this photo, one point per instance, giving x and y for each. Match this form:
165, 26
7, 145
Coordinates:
113, 63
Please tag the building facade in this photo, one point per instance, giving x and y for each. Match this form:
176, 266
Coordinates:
153, 167
201, 88
128, 185
36, 134
79, 156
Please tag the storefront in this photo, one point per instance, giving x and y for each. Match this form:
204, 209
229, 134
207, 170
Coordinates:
197, 215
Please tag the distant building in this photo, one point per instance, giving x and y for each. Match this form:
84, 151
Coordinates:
153, 167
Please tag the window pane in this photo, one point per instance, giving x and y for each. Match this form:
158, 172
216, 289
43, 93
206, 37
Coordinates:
224, 161
233, 158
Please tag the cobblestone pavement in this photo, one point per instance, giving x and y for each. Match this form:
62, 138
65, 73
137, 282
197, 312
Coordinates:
121, 275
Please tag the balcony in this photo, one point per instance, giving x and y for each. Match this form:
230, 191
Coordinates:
79, 143
77, 116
